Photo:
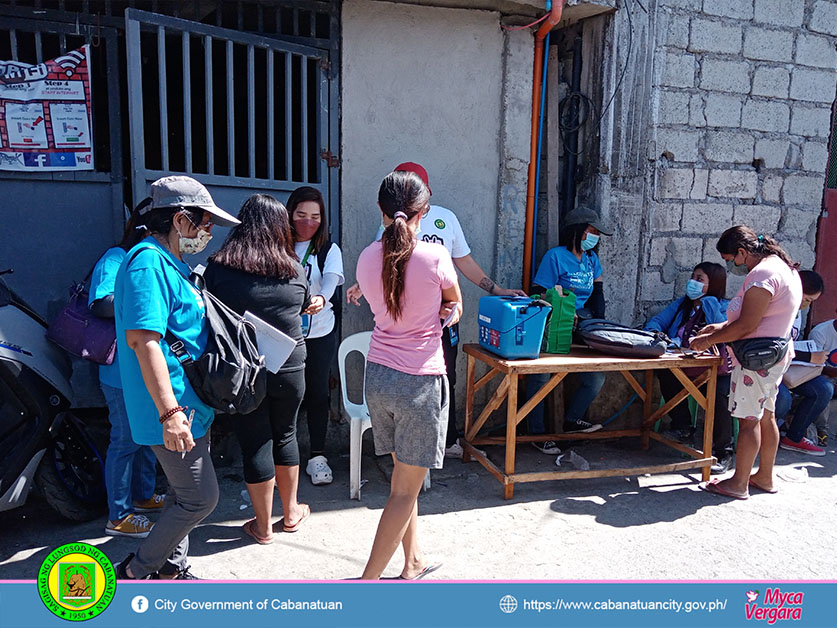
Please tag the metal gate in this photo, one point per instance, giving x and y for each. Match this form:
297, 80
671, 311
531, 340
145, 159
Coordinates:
242, 113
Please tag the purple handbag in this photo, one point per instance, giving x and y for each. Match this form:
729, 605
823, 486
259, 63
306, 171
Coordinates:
79, 332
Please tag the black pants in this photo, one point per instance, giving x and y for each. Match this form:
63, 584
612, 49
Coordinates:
320, 355
722, 439
450, 365
268, 434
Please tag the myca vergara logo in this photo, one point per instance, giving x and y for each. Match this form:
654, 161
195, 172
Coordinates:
776, 606
76, 582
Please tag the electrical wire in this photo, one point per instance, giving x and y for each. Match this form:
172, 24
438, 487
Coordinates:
520, 28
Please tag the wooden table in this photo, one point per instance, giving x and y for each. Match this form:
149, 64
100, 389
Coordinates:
581, 359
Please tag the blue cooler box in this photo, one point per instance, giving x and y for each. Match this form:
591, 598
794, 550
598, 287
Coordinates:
512, 327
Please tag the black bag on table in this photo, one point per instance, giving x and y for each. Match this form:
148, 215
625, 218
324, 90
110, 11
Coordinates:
617, 339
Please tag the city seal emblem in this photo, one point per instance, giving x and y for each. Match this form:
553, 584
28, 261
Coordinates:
76, 582
440, 224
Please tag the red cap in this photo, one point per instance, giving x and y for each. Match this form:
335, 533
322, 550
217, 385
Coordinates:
411, 166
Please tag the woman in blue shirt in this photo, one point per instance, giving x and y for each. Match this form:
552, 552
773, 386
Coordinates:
574, 266
703, 304
130, 469
153, 296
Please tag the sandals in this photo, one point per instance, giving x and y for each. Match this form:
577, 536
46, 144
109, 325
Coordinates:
758, 486
261, 540
319, 471
306, 510
715, 487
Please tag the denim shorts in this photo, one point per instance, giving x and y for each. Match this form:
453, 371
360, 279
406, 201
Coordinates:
409, 415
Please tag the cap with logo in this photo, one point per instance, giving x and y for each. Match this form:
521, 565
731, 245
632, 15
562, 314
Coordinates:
180, 191
587, 216
411, 166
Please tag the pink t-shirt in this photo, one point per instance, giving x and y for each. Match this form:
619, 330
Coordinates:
784, 284
413, 343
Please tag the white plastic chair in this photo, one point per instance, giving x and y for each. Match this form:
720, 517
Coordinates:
359, 420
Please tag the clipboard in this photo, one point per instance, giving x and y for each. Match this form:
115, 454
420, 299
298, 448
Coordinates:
274, 345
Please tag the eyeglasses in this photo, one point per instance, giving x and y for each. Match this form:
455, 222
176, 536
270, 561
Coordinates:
206, 225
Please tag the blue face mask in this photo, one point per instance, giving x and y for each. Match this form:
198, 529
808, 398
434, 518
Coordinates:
694, 289
589, 242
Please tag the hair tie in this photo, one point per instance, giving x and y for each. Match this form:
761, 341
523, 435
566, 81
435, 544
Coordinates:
761, 238
397, 215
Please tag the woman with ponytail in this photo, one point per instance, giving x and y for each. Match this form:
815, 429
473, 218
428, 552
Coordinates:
764, 307
409, 285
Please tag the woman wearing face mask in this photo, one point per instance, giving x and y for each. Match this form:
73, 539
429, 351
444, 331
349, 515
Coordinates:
323, 264
703, 304
764, 307
816, 393
256, 270
152, 295
574, 265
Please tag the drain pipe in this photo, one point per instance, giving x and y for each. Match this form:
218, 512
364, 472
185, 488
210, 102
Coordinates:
529, 231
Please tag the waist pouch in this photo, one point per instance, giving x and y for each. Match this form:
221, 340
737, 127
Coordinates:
757, 354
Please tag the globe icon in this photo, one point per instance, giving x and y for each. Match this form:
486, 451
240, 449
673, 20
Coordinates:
508, 604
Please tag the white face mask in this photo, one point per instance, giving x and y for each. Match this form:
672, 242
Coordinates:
193, 246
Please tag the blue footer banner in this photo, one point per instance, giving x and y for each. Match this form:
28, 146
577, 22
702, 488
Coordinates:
79, 593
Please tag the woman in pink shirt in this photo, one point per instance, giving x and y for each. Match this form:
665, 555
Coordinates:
409, 285
764, 307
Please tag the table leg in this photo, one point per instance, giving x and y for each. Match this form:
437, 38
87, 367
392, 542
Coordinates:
469, 400
511, 432
647, 407
709, 421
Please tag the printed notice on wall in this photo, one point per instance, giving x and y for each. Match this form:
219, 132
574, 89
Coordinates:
45, 114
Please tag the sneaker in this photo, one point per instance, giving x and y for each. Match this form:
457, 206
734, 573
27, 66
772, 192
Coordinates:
122, 571
185, 574
550, 448
681, 436
319, 471
456, 451
152, 504
822, 438
724, 464
137, 526
581, 426
169, 572
804, 446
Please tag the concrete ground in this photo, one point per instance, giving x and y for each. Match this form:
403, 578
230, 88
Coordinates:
649, 527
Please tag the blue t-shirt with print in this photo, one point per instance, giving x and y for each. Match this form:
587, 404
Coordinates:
153, 293
101, 285
560, 267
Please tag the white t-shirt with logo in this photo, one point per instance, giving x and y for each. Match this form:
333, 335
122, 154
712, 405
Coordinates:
825, 336
441, 226
323, 322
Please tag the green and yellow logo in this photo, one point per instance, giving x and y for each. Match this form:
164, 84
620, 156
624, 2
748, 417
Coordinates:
440, 224
76, 582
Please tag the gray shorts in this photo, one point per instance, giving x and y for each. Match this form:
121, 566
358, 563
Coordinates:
409, 415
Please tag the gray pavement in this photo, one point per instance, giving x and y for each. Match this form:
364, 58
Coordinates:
649, 527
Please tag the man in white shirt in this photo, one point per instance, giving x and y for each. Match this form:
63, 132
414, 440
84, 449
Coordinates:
441, 226
825, 335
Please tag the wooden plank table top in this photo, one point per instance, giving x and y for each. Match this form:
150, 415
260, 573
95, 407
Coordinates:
583, 359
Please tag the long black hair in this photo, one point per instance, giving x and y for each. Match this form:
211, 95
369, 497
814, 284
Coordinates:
262, 244
405, 194
717, 286
742, 237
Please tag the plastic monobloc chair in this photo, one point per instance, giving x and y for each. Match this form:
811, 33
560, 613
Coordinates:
358, 412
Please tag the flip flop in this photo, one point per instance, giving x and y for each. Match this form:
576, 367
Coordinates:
430, 568
261, 540
712, 487
755, 484
306, 510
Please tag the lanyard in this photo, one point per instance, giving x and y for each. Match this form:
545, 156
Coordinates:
307, 253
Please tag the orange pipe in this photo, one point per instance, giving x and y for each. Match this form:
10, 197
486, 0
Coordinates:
529, 233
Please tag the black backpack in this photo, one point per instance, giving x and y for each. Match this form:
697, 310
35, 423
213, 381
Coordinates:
336, 301
230, 375
617, 339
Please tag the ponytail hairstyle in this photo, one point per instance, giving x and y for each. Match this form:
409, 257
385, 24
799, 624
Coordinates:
401, 196
742, 237
135, 231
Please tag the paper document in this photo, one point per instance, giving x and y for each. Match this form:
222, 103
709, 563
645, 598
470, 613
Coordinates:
450, 316
274, 345
806, 345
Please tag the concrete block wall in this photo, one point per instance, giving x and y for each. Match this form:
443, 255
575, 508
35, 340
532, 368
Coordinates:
743, 97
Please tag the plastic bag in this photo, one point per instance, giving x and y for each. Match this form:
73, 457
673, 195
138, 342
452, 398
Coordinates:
559, 327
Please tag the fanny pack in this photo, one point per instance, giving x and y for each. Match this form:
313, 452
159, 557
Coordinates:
758, 354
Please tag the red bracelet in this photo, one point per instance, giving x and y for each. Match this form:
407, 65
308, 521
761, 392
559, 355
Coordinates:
165, 417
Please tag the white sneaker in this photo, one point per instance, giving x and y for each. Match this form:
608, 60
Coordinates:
319, 471
456, 451
550, 448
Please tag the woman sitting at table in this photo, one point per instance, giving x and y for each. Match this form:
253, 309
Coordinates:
703, 304
574, 266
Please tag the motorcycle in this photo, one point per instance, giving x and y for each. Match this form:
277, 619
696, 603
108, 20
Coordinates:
43, 443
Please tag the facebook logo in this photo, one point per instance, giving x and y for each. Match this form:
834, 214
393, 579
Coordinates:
52, 160
35, 160
139, 604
